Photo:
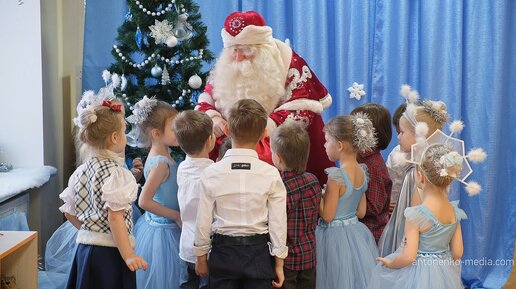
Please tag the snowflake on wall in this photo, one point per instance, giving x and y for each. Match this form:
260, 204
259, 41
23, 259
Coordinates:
356, 91
161, 31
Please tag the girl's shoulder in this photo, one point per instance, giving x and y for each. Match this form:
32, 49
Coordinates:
341, 177
337, 175
154, 161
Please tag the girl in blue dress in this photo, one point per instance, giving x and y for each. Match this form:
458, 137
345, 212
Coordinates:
158, 231
430, 255
346, 249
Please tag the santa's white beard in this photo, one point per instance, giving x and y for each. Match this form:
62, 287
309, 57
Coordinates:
260, 78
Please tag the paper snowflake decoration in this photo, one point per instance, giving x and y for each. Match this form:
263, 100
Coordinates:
161, 31
356, 91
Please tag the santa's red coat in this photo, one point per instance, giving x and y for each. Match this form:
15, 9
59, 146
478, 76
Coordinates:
304, 102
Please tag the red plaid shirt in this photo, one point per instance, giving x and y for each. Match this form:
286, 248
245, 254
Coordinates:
303, 198
378, 193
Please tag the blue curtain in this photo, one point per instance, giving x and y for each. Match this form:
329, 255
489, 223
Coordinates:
461, 52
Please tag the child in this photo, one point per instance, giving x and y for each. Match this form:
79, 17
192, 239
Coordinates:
194, 132
98, 202
346, 249
290, 146
396, 171
418, 121
158, 231
378, 191
243, 203
429, 257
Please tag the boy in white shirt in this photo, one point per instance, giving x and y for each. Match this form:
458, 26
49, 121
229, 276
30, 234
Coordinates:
243, 203
194, 133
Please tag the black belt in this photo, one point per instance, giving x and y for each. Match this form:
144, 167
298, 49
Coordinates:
219, 239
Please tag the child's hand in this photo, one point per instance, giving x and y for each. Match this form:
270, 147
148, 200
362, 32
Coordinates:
136, 262
386, 262
137, 169
179, 223
218, 125
280, 277
201, 266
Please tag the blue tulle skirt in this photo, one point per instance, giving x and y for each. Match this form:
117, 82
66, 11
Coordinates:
346, 253
59, 254
429, 271
158, 244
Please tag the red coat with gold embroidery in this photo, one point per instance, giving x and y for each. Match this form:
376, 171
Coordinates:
305, 100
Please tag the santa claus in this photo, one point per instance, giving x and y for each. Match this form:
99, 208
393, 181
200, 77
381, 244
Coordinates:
255, 65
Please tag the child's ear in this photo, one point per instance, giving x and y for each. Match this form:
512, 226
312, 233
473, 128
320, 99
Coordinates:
114, 137
264, 134
420, 177
155, 133
226, 130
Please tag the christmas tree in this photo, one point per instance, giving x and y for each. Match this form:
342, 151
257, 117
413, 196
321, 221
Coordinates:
160, 49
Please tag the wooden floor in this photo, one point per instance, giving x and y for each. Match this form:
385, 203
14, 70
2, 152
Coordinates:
511, 283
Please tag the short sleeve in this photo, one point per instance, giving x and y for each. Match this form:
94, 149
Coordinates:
119, 190
68, 195
416, 216
459, 213
336, 175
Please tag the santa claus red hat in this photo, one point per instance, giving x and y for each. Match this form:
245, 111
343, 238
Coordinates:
245, 28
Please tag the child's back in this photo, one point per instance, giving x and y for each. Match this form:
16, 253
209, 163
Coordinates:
434, 266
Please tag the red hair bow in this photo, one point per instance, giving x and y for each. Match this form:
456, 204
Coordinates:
113, 107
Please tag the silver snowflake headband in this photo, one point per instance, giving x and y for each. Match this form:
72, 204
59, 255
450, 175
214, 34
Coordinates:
449, 159
89, 98
142, 109
365, 139
436, 109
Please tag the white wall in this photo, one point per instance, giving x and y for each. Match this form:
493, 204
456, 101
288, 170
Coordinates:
21, 99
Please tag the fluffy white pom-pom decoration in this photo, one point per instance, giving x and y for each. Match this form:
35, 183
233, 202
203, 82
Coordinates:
124, 82
405, 90
421, 129
88, 95
476, 155
473, 189
115, 79
106, 75
456, 126
420, 140
413, 96
399, 158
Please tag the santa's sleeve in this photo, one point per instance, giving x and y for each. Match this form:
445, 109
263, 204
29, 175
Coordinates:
306, 97
206, 103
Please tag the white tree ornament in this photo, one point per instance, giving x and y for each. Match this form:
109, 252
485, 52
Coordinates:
161, 31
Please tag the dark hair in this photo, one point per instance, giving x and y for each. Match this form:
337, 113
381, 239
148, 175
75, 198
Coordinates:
224, 147
291, 142
247, 120
381, 119
397, 115
192, 128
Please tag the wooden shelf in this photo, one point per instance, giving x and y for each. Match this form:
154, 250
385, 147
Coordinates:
19, 257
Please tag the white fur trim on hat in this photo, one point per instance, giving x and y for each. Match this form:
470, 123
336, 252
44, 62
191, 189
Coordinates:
250, 35
302, 104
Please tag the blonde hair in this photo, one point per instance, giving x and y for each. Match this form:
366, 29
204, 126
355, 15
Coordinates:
247, 120
291, 142
192, 128
423, 115
429, 165
341, 128
157, 119
97, 125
